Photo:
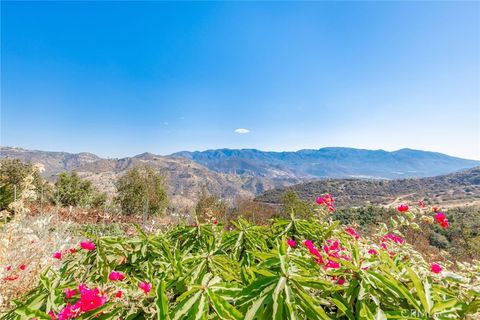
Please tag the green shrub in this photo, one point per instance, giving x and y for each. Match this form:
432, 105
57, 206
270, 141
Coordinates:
71, 190
249, 272
141, 190
439, 240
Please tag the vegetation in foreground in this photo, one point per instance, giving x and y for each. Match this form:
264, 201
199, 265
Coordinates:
302, 263
292, 269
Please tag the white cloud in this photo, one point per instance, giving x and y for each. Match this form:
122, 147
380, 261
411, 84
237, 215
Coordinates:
241, 130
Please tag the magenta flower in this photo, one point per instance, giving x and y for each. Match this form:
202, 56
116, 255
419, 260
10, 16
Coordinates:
70, 293
436, 268
351, 231
69, 312
145, 286
332, 264
118, 294
308, 243
442, 220
89, 299
116, 276
314, 251
341, 281
87, 245
57, 255
372, 251
402, 208
393, 238
328, 201
291, 243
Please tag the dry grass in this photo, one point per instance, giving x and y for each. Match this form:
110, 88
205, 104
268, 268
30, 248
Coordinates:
30, 241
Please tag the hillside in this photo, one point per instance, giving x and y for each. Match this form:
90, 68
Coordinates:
232, 173
330, 163
448, 189
185, 178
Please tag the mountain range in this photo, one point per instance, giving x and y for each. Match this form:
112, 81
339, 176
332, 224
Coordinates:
330, 163
246, 172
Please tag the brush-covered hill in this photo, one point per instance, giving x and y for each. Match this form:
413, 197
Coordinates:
452, 189
330, 163
185, 178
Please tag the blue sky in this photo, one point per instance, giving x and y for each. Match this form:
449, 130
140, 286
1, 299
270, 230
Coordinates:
118, 79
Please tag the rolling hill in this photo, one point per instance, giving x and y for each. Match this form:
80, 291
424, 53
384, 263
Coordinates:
185, 178
250, 172
330, 163
452, 189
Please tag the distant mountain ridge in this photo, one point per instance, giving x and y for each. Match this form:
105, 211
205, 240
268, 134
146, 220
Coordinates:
247, 172
185, 178
331, 162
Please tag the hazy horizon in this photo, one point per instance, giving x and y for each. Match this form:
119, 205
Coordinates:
106, 156
119, 78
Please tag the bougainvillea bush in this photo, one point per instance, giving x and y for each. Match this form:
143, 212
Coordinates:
290, 269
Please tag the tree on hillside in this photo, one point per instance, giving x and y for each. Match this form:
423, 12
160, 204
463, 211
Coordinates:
140, 190
292, 202
73, 191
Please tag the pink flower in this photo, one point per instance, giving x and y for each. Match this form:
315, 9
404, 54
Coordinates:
393, 238
145, 286
332, 264
442, 220
421, 204
118, 294
87, 245
341, 281
402, 208
115, 275
320, 260
328, 201
291, 243
68, 312
8, 268
372, 251
22, 267
89, 299
351, 231
308, 243
70, 293
314, 251
52, 315
72, 250
436, 268
57, 255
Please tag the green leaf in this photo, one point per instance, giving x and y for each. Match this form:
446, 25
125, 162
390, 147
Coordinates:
424, 300
162, 302
223, 309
